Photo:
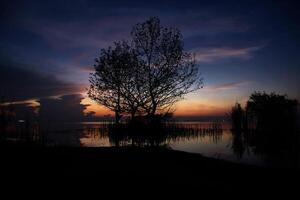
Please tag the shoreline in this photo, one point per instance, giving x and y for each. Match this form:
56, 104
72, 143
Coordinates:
125, 168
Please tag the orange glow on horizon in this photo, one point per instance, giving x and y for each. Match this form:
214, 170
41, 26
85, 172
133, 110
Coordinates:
92, 106
182, 108
200, 108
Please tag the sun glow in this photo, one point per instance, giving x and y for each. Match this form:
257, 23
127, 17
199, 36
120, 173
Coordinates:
182, 108
200, 108
92, 106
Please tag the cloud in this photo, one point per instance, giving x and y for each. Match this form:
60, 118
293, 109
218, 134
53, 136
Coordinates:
69, 37
213, 54
225, 86
87, 68
18, 84
100, 25
89, 33
199, 25
65, 108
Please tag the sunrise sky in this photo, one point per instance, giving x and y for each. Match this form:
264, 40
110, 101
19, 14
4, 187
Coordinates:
48, 48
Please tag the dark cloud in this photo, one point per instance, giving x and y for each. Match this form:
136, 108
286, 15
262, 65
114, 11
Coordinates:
18, 83
234, 40
25, 112
65, 108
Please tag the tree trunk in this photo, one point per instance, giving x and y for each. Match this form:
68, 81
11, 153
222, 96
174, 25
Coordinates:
153, 110
117, 112
117, 117
132, 114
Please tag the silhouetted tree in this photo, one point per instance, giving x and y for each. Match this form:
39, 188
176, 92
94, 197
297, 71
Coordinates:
170, 73
151, 74
237, 116
272, 112
275, 130
115, 83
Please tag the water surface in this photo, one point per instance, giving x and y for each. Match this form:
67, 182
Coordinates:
199, 137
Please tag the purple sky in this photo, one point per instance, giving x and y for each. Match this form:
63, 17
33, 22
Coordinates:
48, 47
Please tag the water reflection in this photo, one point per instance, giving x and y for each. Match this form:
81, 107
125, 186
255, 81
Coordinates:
279, 150
209, 139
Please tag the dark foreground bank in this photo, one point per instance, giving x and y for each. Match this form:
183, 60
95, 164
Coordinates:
138, 169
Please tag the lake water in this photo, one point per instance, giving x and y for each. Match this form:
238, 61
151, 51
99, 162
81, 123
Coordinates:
200, 138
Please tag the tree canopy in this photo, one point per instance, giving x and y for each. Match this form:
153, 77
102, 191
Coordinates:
146, 75
268, 113
272, 111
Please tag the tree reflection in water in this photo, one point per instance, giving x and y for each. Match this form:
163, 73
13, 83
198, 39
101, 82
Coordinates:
122, 135
276, 151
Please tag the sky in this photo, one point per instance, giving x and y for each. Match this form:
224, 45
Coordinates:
48, 48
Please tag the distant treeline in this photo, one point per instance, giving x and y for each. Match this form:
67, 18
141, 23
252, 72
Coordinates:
266, 113
269, 124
